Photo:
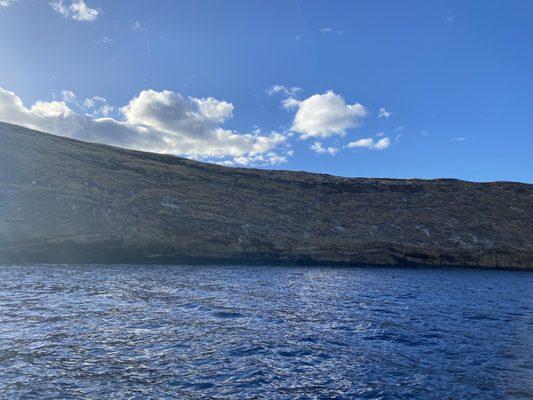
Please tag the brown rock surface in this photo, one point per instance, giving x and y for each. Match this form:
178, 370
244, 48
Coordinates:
63, 200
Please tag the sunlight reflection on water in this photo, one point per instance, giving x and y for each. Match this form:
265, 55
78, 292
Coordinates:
264, 332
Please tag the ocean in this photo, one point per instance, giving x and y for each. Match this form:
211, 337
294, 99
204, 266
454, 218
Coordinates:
254, 332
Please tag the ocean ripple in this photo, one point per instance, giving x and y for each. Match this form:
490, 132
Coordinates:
219, 332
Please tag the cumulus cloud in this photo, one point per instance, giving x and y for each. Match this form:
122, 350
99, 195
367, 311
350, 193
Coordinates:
42, 115
325, 115
270, 158
369, 143
76, 10
103, 111
383, 113
93, 101
97, 106
318, 148
162, 122
170, 111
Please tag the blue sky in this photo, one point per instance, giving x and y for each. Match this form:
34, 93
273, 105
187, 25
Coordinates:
282, 84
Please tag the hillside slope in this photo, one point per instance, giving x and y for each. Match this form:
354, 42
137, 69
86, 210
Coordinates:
63, 200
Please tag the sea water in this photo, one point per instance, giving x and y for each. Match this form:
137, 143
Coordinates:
131, 331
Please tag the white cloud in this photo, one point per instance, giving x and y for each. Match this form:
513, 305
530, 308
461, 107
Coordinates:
213, 109
104, 110
77, 10
42, 115
91, 102
162, 122
380, 134
7, 3
383, 113
382, 144
97, 107
290, 103
458, 139
369, 143
68, 96
270, 158
318, 148
280, 89
325, 115
328, 29
170, 111
290, 93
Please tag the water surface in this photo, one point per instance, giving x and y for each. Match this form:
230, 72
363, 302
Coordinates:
264, 332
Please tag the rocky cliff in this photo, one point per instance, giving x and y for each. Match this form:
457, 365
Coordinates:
63, 200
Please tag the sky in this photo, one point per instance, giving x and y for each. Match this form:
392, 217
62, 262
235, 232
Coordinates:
400, 89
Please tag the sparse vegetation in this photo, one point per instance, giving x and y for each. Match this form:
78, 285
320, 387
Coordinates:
63, 200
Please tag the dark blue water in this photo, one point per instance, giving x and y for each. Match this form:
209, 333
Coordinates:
264, 332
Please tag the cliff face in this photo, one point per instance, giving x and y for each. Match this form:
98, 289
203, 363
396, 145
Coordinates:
63, 200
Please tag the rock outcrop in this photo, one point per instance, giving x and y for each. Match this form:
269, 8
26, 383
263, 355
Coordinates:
63, 200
